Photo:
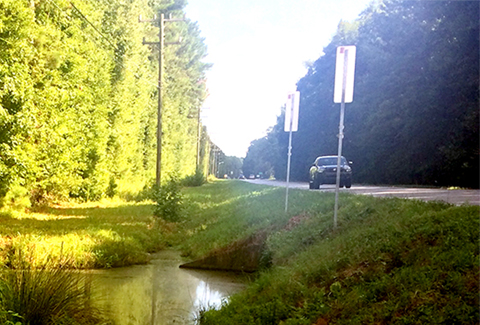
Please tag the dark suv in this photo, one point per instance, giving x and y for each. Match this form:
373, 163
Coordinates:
324, 171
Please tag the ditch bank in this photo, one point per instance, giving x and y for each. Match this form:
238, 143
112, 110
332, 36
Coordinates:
247, 255
242, 256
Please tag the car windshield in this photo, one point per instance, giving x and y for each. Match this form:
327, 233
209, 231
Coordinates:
330, 161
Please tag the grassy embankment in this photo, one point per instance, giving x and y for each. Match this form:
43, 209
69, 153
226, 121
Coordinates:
389, 260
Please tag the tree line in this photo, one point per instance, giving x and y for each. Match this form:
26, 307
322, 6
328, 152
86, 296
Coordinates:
415, 114
78, 98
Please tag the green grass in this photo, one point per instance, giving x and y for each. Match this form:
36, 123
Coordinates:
96, 235
224, 211
389, 261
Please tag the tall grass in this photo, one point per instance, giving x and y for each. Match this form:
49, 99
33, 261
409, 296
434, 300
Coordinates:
46, 296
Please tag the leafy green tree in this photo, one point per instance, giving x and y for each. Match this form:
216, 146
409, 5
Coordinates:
230, 166
78, 98
261, 157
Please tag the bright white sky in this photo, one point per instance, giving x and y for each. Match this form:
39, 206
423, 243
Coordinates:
258, 49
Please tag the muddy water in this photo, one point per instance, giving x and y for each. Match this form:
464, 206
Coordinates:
160, 292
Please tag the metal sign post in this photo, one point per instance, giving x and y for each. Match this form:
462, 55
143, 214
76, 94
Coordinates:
344, 77
291, 125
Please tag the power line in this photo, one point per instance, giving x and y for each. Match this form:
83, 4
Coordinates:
93, 26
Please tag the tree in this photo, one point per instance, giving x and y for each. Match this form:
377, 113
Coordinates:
414, 118
78, 98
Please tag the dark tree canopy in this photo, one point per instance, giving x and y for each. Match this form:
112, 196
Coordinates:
415, 114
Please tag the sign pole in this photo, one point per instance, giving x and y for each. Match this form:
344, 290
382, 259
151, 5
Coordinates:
340, 136
291, 125
288, 168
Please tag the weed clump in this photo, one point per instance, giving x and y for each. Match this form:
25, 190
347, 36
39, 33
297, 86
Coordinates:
169, 201
46, 296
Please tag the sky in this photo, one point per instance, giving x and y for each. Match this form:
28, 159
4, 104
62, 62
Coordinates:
259, 50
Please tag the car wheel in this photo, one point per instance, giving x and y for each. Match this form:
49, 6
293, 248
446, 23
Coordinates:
310, 185
348, 184
316, 183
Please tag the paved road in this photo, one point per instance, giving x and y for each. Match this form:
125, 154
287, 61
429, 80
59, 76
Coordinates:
457, 197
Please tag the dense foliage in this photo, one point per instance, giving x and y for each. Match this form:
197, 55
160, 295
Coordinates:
78, 98
415, 116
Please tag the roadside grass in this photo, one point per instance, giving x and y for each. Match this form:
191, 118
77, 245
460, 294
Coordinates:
224, 211
389, 260
103, 234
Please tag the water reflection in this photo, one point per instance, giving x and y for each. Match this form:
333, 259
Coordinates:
160, 292
205, 296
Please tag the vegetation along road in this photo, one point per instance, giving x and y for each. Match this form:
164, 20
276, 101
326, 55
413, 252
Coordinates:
453, 196
390, 261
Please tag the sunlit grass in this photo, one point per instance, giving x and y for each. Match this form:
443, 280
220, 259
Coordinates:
388, 259
108, 233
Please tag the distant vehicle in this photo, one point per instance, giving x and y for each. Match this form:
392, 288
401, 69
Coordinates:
241, 176
251, 176
324, 171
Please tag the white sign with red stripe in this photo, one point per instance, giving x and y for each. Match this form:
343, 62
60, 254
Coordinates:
345, 64
291, 111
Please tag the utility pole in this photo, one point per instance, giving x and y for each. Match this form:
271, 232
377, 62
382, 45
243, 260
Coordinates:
214, 152
161, 43
199, 133
199, 136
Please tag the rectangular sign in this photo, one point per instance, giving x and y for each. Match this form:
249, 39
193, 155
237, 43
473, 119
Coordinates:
344, 68
291, 111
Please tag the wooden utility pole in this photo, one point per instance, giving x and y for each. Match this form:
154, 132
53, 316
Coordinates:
199, 133
161, 43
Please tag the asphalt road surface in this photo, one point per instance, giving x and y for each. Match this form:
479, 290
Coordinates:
456, 197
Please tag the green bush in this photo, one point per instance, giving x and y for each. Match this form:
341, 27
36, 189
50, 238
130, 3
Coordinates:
197, 179
112, 188
169, 201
